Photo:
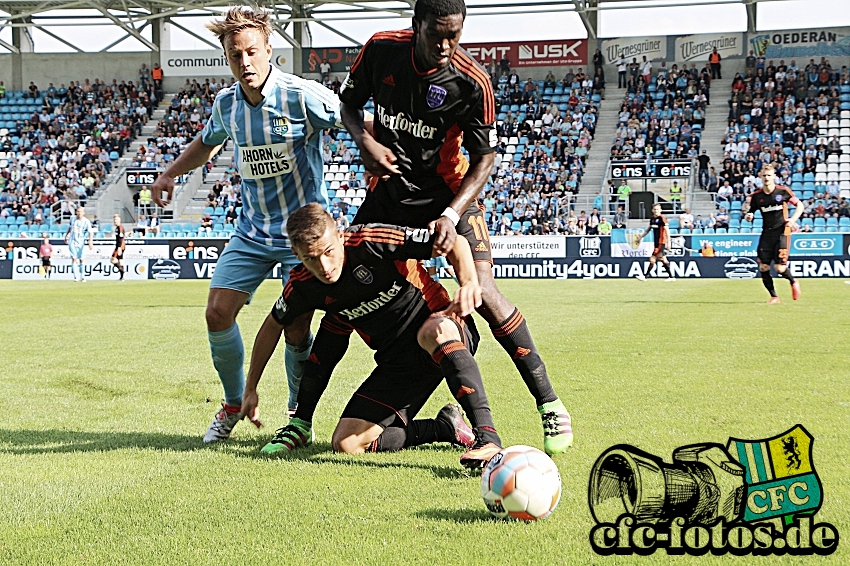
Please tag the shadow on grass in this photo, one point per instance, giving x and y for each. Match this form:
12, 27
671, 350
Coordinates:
54, 441
456, 515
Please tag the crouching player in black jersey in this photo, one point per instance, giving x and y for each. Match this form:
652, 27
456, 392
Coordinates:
360, 278
775, 240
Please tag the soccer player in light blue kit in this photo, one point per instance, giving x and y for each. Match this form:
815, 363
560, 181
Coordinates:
276, 121
75, 237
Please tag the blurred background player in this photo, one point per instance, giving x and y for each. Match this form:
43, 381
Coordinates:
276, 122
75, 237
772, 201
430, 98
45, 252
118, 253
357, 278
660, 235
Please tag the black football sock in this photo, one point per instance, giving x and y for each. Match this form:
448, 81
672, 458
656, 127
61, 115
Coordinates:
647, 269
464, 381
417, 433
787, 275
515, 338
767, 279
667, 268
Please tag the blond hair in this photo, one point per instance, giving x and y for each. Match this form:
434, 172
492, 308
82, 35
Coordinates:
238, 18
767, 166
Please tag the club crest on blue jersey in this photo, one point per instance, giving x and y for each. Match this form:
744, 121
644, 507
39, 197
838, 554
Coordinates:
363, 275
436, 96
280, 125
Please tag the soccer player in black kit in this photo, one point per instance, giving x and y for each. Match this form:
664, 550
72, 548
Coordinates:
772, 200
361, 279
661, 235
118, 253
430, 98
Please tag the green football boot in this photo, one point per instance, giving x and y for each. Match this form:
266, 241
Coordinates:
557, 427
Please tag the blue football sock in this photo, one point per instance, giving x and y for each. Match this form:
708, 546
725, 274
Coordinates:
228, 354
294, 359
75, 269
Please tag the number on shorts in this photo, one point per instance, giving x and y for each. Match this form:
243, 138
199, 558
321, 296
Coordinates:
479, 227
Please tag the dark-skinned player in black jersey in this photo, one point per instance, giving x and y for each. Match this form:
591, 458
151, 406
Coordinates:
431, 98
772, 201
118, 253
361, 279
661, 236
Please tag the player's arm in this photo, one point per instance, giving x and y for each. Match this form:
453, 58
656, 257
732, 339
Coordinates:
195, 155
68, 232
468, 296
378, 159
91, 236
286, 310
798, 211
264, 346
480, 166
647, 231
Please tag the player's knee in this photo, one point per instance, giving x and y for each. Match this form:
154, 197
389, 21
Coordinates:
218, 317
435, 331
346, 443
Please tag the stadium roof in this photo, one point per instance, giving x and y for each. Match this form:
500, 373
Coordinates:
52, 17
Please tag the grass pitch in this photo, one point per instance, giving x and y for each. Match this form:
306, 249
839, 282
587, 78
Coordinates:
107, 389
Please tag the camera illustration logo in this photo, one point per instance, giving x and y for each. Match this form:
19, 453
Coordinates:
749, 497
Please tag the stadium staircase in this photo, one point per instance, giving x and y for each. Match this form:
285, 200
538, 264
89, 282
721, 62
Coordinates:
593, 179
194, 210
701, 202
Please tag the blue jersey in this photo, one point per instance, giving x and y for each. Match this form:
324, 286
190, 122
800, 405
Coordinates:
278, 150
80, 230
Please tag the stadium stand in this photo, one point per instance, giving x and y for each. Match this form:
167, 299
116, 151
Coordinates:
796, 117
57, 145
545, 128
663, 117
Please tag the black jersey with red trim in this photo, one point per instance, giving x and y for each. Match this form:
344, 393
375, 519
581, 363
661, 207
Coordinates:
423, 117
773, 207
383, 292
119, 237
659, 230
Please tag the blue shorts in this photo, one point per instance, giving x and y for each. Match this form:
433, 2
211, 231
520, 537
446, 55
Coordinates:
76, 252
245, 264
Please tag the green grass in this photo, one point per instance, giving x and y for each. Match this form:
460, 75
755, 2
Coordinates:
106, 390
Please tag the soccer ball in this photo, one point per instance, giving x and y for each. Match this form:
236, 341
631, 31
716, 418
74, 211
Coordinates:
521, 482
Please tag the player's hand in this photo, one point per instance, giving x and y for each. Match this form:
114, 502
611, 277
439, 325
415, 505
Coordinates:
162, 189
467, 299
378, 159
748, 217
91, 247
792, 225
446, 235
250, 400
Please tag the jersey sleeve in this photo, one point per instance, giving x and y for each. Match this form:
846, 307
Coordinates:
322, 105
291, 304
357, 86
214, 132
385, 241
478, 123
328, 349
790, 196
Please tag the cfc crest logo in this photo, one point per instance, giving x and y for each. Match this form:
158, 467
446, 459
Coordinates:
781, 478
280, 125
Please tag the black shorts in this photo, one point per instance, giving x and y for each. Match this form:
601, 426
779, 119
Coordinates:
118, 253
396, 390
773, 246
382, 206
45, 262
658, 251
